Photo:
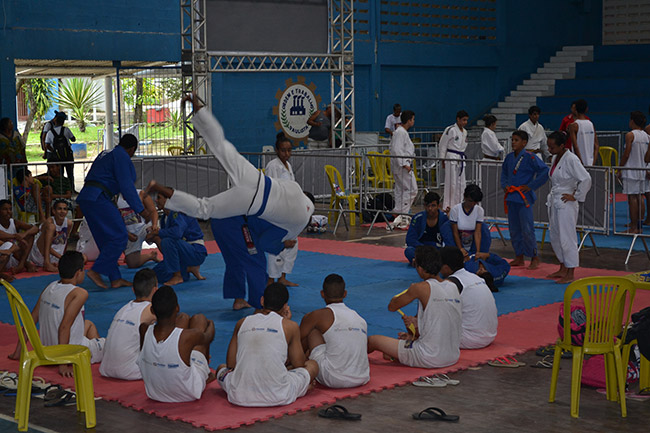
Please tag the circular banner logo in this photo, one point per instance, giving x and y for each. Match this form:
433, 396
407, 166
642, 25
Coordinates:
296, 103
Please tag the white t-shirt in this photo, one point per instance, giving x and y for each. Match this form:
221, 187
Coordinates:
51, 314
392, 122
343, 359
479, 309
466, 223
123, 343
49, 137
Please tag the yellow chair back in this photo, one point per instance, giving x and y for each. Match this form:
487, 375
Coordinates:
175, 150
606, 153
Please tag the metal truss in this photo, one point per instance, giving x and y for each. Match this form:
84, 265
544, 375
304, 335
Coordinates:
341, 42
196, 77
226, 61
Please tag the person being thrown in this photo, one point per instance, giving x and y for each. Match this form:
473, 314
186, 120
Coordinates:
337, 338
255, 373
438, 324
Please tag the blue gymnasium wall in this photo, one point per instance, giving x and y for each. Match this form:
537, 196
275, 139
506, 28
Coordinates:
84, 30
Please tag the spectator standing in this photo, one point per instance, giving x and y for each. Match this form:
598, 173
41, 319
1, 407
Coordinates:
393, 120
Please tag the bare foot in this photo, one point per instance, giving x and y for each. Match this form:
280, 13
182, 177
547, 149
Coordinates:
240, 304
153, 256
565, 280
558, 274
287, 282
121, 283
7, 277
389, 358
49, 267
96, 278
517, 262
534, 263
194, 270
211, 377
176, 279
31, 267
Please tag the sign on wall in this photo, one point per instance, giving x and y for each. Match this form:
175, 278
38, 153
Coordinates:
296, 103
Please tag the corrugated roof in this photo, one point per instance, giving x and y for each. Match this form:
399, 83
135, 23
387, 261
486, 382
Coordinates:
49, 68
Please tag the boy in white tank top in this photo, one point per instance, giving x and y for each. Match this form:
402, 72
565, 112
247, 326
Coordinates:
634, 181
16, 240
123, 340
175, 351
255, 373
436, 342
336, 337
583, 135
52, 237
61, 307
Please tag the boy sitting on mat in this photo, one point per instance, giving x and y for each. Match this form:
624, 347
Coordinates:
337, 339
123, 340
175, 351
438, 324
60, 311
478, 307
255, 373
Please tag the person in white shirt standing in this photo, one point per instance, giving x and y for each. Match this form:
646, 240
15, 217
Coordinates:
570, 183
57, 145
490, 146
336, 337
452, 146
393, 120
278, 266
402, 153
634, 157
536, 134
583, 135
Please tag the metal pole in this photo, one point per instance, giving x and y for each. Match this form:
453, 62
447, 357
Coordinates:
108, 107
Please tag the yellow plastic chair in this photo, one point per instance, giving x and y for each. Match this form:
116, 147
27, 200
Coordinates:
339, 195
606, 153
388, 178
607, 302
644, 370
359, 171
175, 150
78, 356
375, 167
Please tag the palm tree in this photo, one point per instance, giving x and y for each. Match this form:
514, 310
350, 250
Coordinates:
80, 95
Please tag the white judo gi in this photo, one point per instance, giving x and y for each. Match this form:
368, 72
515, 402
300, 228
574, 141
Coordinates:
568, 176
286, 205
282, 263
490, 145
536, 139
403, 152
452, 145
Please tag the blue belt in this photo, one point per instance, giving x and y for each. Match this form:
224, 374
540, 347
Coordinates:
265, 197
463, 157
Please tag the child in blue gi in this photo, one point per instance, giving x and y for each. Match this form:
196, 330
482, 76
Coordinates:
425, 226
489, 266
521, 174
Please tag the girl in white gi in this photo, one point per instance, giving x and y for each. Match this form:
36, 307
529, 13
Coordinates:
452, 146
570, 183
402, 152
490, 145
280, 265
438, 324
634, 183
279, 202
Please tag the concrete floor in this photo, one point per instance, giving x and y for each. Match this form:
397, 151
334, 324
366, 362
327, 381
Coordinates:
487, 399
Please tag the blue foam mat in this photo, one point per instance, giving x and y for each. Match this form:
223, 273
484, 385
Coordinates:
370, 285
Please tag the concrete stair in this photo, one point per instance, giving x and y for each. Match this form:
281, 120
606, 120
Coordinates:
561, 66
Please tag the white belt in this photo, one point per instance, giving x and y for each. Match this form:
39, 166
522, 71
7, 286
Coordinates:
198, 241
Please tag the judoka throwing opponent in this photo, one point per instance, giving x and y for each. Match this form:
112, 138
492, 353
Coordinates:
279, 202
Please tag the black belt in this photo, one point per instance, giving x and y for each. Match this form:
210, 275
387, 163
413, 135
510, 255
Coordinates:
495, 158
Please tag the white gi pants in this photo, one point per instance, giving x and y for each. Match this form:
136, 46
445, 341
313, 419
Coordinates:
562, 232
406, 188
283, 262
454, 182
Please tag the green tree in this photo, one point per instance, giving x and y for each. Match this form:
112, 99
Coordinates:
80, 95
39, 92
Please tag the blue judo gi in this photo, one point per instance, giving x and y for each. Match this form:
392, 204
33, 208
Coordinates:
181, 243
416, 232
241, 266
518, 170
486, 237
112, 173
495, 265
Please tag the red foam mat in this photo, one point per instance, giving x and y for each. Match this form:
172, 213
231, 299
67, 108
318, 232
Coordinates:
518, 332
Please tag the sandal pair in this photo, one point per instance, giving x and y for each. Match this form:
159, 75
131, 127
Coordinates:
506, 361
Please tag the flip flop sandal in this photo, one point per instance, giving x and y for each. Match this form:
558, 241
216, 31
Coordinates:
339, 412
66, 399
507, 362
430, 382
644, 391
547, 362
8, 382
53, 392
447, 379
435, 414
550, 350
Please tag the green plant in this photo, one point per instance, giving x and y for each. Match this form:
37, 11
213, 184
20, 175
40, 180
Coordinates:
80, 95
176, 120
39, 99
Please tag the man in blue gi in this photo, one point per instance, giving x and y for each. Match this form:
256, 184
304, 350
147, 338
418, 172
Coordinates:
112, 173
521, 174
245, 259
425, 226
492, 268
180, 240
